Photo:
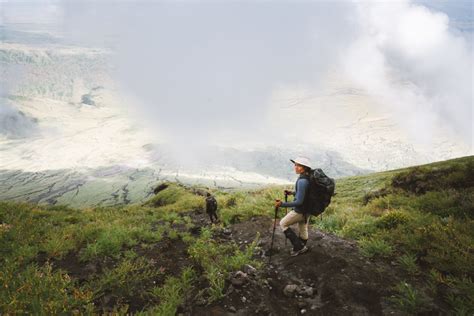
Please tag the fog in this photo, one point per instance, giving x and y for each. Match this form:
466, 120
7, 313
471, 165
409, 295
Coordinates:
204, 73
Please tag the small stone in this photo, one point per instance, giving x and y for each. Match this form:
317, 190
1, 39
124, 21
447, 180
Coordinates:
249, 269
232, 309
201, 302
244, 299
239, 278
305, 291
289, 290
230, 289
303, 311
358, 283
227, 231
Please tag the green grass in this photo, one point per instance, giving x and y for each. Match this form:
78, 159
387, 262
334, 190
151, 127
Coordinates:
218, 260
172, 293
31, 236
410, 300
408, 263
422, 218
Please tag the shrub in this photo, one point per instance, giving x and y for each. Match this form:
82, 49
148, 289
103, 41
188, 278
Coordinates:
392, 219
372, 247
332, 223
109, 243
359, 227
409, 300
172, 293
408, 263
40, 291
127, 280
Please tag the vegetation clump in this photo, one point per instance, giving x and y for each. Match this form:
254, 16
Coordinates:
424, 218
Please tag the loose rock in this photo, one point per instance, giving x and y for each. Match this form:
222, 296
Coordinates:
239, 278
304, 290
290, 290
249, 269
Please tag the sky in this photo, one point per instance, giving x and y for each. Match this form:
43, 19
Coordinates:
209, 70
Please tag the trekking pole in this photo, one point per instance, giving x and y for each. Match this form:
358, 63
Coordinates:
273, 234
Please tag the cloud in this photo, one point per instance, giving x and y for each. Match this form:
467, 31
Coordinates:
30, 12
205, 72
407, 56
15, 124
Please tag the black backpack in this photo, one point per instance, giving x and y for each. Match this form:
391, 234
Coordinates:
321, 189
211, 204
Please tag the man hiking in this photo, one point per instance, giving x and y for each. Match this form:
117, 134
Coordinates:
300, 213
211, 207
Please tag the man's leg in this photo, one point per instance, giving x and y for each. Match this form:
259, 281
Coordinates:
291, 218
210, 217
303, 228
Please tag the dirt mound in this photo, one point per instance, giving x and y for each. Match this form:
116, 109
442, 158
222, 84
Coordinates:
331, 279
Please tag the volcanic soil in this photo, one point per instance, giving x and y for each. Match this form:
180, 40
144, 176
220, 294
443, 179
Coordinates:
332, 278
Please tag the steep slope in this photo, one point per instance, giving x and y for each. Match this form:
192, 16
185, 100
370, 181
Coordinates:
395, 242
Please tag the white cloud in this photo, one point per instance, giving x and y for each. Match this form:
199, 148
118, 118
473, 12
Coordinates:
31, 12
406, 55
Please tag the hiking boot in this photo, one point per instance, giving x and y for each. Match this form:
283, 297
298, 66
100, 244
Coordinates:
303, 241
294, 253
295, 240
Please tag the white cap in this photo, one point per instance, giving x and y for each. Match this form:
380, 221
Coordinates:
302, 161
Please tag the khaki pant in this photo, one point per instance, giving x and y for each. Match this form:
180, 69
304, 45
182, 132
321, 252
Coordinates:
292, 218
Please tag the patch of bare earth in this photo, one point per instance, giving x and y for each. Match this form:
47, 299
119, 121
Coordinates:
332, 278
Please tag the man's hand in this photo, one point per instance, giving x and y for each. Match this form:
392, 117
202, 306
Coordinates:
288, 192
277, 203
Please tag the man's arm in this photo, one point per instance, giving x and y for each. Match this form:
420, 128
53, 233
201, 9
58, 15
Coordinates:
301, 188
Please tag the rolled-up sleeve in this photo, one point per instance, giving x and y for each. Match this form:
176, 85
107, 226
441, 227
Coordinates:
301, 188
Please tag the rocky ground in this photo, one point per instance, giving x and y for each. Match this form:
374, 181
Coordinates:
332, 278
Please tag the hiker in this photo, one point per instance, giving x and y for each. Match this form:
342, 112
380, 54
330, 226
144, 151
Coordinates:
211, 207
299, 215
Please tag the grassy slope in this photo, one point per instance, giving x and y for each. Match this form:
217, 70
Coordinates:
421, 219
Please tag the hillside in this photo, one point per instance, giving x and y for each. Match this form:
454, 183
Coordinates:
397, 242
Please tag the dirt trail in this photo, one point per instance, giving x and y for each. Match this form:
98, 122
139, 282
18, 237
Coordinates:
332, 278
